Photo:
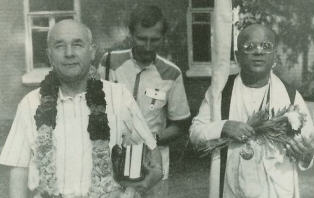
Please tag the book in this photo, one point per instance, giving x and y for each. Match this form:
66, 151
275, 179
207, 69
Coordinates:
133, 162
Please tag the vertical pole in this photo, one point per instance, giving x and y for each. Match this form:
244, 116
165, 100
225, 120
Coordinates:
220, 72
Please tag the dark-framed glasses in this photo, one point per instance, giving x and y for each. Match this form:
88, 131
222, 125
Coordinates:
265, 47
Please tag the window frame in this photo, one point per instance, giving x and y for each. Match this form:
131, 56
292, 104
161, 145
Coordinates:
190, 13
203, 68
33, 76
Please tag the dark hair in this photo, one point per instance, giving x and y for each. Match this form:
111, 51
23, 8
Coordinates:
147, 16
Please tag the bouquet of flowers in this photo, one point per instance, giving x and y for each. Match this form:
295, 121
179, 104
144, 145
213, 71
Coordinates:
274, 127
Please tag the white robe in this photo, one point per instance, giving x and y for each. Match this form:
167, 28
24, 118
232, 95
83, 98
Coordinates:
270, 173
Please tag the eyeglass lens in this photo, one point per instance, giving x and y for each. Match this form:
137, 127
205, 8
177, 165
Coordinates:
263, 47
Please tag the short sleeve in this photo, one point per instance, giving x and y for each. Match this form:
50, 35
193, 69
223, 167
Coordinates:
16, 150
178, 108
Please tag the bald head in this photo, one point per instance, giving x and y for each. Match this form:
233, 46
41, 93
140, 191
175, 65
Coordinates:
256, 54
70, 50
69, 25
256, 30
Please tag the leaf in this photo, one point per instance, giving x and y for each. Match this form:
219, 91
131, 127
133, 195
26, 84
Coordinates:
207, 147
257, 118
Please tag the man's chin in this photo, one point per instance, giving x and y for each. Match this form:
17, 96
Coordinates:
257, 74
70, 78
146, 60
258, 69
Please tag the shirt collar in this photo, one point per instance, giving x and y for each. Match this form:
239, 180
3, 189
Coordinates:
64, 98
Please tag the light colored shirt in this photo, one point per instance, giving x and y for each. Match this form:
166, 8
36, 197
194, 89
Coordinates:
270, 173
159, 91
73, 145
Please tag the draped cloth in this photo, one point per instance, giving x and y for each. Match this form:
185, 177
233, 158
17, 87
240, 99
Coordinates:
222, 35
269, 174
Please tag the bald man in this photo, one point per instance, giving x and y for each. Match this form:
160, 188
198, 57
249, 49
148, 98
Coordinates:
60, 142
272, 172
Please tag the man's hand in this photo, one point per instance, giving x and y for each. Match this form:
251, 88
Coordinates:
237, 130
174, 130
300, 148
153, 172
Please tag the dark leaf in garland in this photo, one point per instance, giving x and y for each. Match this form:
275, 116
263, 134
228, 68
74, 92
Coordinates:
98, 127
50, 85
98, 123
94, 94
47, 111
45, 116
117, 159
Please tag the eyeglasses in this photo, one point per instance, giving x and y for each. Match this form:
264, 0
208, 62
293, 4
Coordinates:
262, 47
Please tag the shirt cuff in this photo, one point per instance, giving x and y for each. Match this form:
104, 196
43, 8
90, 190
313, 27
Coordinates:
178, 118
217, 127
151, 144
205, 132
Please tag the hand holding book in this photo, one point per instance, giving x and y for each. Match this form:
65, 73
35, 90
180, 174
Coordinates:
140, 169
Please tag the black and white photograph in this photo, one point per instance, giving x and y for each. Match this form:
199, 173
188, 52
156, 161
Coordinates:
156, 98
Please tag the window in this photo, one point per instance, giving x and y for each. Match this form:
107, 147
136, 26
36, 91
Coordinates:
40, 16
200, 37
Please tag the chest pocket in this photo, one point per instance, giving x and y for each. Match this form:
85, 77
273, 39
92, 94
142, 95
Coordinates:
156, 98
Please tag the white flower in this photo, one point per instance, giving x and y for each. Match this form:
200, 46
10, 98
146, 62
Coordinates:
294, 119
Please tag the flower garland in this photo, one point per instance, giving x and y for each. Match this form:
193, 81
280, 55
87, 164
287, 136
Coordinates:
99, 132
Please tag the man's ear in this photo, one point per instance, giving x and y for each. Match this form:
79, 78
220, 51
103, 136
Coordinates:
93, 51
48, 55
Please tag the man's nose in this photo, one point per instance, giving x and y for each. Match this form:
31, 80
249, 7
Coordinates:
68, 51
148, 45
258, 51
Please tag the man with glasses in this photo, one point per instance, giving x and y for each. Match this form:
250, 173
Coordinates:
271, 173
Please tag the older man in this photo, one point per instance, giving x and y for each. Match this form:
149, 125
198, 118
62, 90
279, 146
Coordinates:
156, 83
270, 173
60, 141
